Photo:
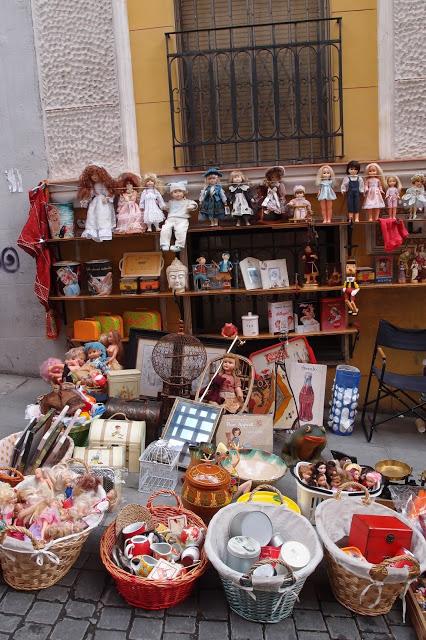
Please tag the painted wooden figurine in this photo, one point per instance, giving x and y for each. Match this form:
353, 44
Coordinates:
392, 194
414, 198
151, 203
129, 217
239, 198
351, 288
353, 186
300, 206
224, 267
310, 260
374, 186
326, 195
96, 192
212, 198
270, 201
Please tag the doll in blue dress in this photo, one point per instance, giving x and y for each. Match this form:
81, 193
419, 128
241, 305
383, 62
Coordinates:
212, 198
326, 195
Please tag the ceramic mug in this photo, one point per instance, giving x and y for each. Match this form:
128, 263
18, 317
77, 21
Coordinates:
137, 546
146, 565
134, 529
189, 556
192, 536
161, 550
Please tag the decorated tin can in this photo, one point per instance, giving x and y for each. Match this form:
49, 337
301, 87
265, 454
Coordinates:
99, 277
61, 219
243, 552
67, 276
129, 286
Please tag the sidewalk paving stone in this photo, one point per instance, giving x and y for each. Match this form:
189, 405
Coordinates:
77, 609
179, 624
54, 594
403, 633
284, 630
242, 629
213, 605
342, 628
145, 629
16, 602
115, 618
309, 621
31, 631
44, 612
9, 623
70, 629
212, 630
89, 585
372, 624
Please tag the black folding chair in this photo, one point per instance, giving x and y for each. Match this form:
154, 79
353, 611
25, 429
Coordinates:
396, 385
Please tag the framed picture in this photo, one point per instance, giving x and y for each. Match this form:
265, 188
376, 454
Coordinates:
250, 270
190, 422
246, 431
383, 268
274, 274
333, 314
307, 385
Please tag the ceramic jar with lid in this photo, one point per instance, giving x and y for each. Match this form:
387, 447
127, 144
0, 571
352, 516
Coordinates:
243, 553
207, 488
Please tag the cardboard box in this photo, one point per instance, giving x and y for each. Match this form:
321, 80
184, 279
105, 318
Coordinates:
124, 384
128, 433
333, 314
280, 316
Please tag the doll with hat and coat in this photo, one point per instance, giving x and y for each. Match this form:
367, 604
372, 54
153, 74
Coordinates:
179, 212
212, 198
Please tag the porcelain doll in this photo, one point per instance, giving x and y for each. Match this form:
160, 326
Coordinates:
270, 201
351, 288
179, 212
96, 192
239, 198
212, 198
300, 206
115, 351
414, 198
392, 194
353, 186
151, 203
326, 195
310, 260
224, 267
129, 217
230, 391
374, 185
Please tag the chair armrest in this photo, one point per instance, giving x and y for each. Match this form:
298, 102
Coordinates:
381, 353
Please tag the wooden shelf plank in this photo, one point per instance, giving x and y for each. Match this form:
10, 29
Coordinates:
76, 341
113, 296
270, 336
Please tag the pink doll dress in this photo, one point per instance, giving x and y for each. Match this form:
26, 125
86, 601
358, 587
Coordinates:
129, 217
49, 515
392, 197
152, 203
373, 194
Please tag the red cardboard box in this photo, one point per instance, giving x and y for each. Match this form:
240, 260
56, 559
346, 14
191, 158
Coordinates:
379, 537
333, 314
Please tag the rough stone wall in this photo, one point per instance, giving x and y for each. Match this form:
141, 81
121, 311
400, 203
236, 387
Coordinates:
78, 85
410, 78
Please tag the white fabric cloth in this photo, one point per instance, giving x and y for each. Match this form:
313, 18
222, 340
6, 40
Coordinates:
100, 219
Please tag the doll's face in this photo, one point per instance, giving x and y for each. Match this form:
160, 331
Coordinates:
321, 469
92, 354
418, 183
353, 171
372, 171
322, 481
94, 177
149, 183
299, 194
129, 187
308, 250
228, 365
237, 178
326, 173
212, 180
350, 269
201, 260
392, 182
110, 338
225, 257
178, 194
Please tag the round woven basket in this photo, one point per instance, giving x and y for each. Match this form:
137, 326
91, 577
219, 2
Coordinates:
11, 476
153, 594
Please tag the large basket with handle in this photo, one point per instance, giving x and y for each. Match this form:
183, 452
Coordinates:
358, 585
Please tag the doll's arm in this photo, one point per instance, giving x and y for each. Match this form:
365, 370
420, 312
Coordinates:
202, 195
366, 185
160, 200
361, 184
344, 185
192, 205
223, 196
238, 390
142, 201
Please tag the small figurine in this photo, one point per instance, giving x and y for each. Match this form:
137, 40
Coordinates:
392, 194
43, 483
199, 273
225, 267
374, 185
96, 191
351, 288
402, 278
179, 208
353, 185
270, 198
239, 198
414, 198
151, 202
301, 207
115, 351
96, 355
129, 218
305, 444
177, 276
212, 198
229, 330
326, 195
311, 266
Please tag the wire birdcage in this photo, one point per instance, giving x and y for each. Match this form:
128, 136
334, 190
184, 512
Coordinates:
178, 359
158, 467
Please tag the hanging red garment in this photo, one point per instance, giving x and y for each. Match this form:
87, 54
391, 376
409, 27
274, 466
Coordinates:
31, 240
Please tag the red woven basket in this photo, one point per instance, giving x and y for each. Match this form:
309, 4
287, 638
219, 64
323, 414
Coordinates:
150, 594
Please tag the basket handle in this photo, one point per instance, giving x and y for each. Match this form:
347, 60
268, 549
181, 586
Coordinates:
164, 492
37, 544
274, 561
269, 487
15, 473
366, 498
380, 571
79, 461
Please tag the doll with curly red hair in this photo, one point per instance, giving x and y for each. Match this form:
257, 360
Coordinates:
96, 190
129, 216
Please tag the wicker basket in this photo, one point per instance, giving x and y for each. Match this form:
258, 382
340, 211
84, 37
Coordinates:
366, 589
11, 476
7, 445
152, 594
42, 564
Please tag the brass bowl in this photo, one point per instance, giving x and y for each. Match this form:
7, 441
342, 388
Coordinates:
393, 469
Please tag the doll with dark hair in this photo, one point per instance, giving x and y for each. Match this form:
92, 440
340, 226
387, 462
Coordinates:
96, 190
353, 185
129, 216
269, 200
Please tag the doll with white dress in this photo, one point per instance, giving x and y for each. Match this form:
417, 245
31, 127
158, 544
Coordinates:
326, 195
392, 194
299, 205
96, 192
239, 198
414, 198
374, 189
151, 203
129, 216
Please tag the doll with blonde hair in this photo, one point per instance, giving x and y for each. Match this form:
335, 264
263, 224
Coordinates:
115, 351
414, 198
239, 198
374, 187
392, 194
151, 202
326, 195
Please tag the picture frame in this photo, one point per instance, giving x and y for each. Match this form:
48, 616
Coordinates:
307, 384
274, 274
383, 268
250, 270
255, 431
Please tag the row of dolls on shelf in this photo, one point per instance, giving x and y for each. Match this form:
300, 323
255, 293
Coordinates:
138, 212
87, 364
334, 473
53, 503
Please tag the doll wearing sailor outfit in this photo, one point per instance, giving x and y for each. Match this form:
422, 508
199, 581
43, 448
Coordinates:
179, 212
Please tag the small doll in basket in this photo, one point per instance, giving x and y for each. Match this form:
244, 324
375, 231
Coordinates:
96, 191
129, 216
179, 213
351, 288
239, 198
374, 186
39, 516
326, 195
300, 206
44, 484
269, 201
371, 479
353, 186
8, 501
212, 198
414, 198
353, 471
305, 472
151, 202
392, 194
115, 351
